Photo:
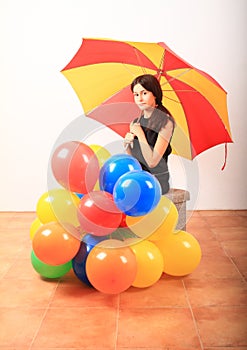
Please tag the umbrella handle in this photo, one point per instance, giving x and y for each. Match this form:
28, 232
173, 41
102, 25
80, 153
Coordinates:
129, 142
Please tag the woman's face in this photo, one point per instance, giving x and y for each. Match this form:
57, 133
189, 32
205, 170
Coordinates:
144, 99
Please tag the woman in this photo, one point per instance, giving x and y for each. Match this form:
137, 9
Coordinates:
150, 134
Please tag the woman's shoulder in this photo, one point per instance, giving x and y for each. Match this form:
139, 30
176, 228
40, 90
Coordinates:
136, 120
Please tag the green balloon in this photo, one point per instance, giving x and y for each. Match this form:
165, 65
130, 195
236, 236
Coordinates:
49, 271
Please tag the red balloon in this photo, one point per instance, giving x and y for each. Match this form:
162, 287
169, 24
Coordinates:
54, 245
110, 267
98, 214
123, 221
75, 166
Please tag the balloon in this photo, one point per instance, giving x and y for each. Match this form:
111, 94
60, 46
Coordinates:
123, 221
101, 153
137, 193
122, 234
98, 213
91, 240
58, 205
75, 166
150, 264
181, 252
114, 167
110, 267
49, 271
79, 261
160, 222
53, 245
34, 227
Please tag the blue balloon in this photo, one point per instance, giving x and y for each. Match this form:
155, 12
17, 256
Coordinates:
114, 167
137, 193
92, 240
79, 261
80, 195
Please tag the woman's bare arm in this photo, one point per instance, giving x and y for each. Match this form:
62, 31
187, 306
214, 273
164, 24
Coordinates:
153, 156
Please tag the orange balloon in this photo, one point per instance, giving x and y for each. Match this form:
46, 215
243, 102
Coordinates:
111, 267
181, 253
158, 223
54, 245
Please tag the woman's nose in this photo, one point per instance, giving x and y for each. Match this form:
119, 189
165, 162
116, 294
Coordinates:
140, 97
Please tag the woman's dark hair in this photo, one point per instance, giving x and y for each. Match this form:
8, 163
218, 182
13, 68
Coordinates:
151, 83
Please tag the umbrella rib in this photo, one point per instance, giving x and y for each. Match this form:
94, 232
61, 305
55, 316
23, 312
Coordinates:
139, 60
129, 70
160, 71
177, 76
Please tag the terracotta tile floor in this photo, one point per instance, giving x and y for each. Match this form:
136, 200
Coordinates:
204, 310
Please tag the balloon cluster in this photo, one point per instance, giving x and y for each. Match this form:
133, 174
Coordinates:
108, 222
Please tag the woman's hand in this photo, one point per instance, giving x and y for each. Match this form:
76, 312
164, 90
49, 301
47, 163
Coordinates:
136, 129
128, 140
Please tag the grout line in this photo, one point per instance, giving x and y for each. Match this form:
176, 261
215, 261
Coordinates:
44, 315
117, 321
232, 261
193, 317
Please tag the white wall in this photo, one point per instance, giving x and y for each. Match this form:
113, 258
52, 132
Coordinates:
39, 37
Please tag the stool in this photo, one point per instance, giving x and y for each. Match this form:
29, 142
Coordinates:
179, 198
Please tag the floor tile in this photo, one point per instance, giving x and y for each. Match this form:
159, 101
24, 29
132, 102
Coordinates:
241, 263
204, 234
222, 326
226, 221
18, 326
157, 327
218, 213
212, 248
167, 292
139, 318
225, 292
196, 223
21, 269
5, 265
161, 348
235, 248
241, 212
32, 293
75, 293
78, 327
227, 348
8, 250
230, 233
216, 267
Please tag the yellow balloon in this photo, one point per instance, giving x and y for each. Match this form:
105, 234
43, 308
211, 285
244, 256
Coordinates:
150, 264
34, 227
101, 153
158, 223
96, 186
181, 253
58, 205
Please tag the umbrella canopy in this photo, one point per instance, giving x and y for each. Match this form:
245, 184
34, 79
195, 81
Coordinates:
101, 73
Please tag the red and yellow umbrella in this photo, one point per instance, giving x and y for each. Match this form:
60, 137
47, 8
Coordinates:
101, 73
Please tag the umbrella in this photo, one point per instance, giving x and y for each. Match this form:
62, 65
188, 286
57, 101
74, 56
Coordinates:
101, 73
